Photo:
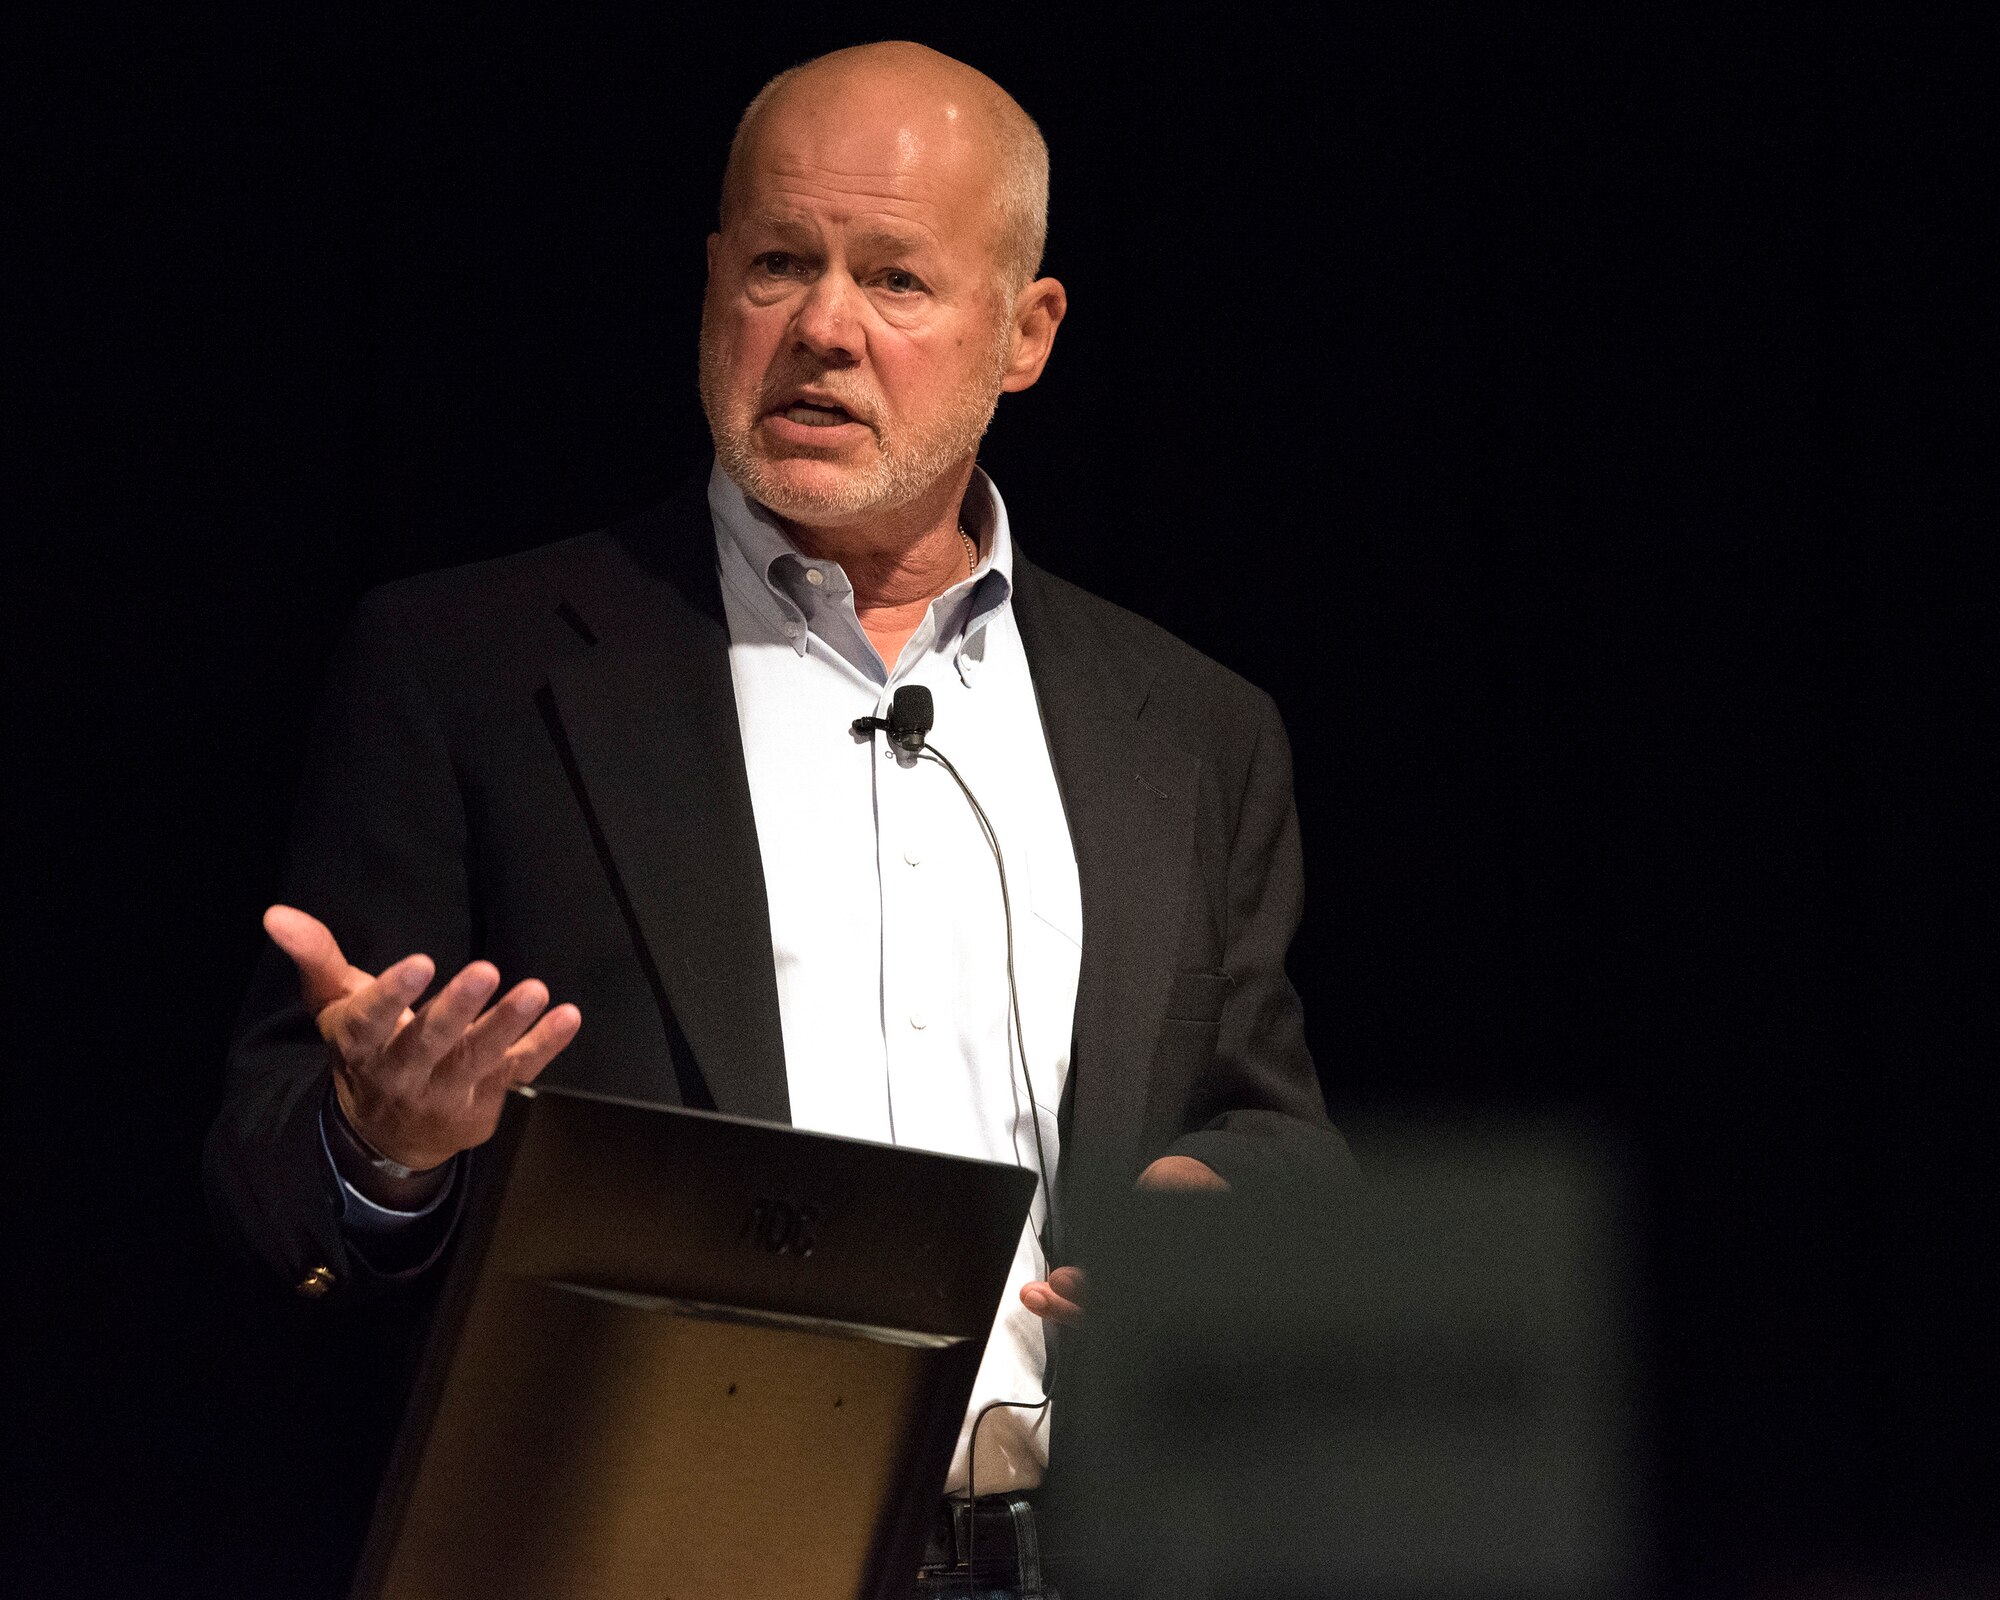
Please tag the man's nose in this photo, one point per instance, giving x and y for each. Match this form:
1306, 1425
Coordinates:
828, 323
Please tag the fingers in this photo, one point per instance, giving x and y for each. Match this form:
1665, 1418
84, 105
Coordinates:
541, 1044
507, 1045
365, 1024
440, 1025
323, 970
1051, 1307
512, 1015
489, 1041
420, 1085
1060, 1299
523, 1060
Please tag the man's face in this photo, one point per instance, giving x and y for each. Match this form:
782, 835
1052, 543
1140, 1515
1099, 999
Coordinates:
854, 335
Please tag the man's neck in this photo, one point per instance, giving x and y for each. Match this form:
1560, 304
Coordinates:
898, 561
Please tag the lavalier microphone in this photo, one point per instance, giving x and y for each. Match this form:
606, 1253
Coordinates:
910, 717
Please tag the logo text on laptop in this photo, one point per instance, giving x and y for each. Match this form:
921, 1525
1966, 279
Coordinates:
783, 1227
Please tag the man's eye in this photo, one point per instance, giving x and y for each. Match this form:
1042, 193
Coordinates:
777, 263
899, 281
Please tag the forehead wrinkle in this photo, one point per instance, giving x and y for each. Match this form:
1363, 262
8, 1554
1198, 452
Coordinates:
894, 184
804, 205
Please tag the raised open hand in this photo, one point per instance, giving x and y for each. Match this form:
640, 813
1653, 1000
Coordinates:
420, 1085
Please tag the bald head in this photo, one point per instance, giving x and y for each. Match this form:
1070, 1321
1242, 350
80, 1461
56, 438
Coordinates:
872, 293
937, 104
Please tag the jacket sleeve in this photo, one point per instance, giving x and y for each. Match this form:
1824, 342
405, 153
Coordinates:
378, 853
1258, 1117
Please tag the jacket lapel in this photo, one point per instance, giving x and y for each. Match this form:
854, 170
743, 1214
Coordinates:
1130, 798
648, 718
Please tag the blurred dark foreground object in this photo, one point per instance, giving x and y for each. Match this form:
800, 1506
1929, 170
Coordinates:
1421, 1389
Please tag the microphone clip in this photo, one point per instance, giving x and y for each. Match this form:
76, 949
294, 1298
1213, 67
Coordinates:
909, 740
911, 714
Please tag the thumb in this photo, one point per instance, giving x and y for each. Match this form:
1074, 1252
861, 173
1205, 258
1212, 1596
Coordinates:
324, 974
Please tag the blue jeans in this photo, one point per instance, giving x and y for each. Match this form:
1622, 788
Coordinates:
1010, 1565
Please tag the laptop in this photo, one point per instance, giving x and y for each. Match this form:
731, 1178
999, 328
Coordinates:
687, 1355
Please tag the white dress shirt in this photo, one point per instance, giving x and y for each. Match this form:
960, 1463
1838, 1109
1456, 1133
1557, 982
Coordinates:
886, 922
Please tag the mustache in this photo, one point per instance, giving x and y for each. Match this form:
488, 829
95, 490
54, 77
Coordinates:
857, 399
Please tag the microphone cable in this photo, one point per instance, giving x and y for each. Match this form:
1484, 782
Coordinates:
912, 713
972, 1486
1051, 1247
911, 716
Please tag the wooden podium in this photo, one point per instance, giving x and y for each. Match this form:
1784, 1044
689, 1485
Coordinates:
687, 1357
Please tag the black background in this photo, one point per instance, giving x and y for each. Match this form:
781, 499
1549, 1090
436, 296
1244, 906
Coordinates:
1550, 415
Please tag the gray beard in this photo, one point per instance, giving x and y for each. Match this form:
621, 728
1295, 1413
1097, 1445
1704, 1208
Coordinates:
901, 471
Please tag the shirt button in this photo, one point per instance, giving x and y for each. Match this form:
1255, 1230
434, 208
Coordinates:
917, 1021
815, 577
910, 855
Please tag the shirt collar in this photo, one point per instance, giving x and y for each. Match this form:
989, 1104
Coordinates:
770, 574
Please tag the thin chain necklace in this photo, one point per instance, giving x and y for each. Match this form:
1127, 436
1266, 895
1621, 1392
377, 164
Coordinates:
971, 549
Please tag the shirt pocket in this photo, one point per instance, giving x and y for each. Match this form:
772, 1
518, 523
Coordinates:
1198, 996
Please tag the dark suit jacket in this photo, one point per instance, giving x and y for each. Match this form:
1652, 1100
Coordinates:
537, 760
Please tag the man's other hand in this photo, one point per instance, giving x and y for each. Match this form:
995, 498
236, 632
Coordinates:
420, 1085
1059, 1298
1181, 1172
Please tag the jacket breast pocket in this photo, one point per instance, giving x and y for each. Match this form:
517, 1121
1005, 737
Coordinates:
1197, 996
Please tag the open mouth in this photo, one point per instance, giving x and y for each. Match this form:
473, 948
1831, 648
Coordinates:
816, 414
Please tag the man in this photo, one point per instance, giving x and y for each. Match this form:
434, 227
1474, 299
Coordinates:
625, 765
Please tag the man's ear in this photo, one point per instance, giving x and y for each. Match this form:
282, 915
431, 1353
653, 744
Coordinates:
1038, 312
714, 239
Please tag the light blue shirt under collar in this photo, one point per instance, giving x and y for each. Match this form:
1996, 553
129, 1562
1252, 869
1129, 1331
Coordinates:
805, 598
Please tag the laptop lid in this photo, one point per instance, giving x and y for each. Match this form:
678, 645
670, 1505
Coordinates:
686, 1354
